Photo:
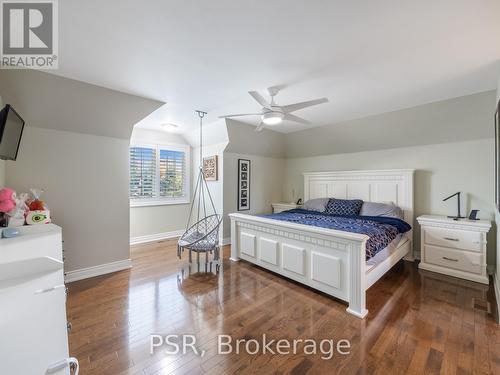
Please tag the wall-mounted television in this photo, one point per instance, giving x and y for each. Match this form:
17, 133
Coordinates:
11, 131
497, 156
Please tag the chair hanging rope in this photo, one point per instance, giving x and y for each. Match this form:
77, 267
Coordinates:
203, 234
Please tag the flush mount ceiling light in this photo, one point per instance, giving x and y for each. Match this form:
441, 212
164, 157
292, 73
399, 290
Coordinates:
169, 127
272, 118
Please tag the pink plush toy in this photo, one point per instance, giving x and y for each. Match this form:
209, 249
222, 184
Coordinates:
7, 200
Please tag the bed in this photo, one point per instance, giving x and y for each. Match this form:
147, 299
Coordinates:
329, 260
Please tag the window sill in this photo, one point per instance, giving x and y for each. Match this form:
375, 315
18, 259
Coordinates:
149, 203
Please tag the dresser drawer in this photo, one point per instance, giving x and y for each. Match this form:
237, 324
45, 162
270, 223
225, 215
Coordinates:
459, 260
457, 239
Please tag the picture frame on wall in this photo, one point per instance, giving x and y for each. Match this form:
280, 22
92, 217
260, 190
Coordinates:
243, 184
211, 168
497, 156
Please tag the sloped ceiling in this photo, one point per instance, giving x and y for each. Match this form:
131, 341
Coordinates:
53, 102
367, 57
243, 139
454, 120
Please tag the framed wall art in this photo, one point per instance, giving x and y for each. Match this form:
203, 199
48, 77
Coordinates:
243, 184
211, 168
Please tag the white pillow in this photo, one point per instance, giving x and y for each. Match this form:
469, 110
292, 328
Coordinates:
317, 204
381, 209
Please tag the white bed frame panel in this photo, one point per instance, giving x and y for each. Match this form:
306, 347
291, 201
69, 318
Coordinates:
328, 260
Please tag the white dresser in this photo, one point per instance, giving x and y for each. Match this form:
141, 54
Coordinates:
280, 207
455, 248
33, 326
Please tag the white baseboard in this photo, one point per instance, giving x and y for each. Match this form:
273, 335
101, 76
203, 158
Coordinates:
496, 286
226, 241
99, 270
156, 237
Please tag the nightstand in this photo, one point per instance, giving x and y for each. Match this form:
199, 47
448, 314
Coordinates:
455, 248
280, 207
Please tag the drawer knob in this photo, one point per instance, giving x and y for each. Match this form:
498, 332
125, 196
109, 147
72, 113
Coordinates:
451, 239
450, 259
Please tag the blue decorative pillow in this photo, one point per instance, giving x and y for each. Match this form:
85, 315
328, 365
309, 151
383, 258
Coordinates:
347, 207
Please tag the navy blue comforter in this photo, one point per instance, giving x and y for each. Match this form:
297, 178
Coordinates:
381, 230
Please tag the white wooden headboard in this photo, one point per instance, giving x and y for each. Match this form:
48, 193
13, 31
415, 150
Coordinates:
392, 185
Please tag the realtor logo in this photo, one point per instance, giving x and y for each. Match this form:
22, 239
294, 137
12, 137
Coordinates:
29, 34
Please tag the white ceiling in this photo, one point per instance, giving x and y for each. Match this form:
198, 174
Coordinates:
367, 57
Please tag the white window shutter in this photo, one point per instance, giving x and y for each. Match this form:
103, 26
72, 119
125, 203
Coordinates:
172, 173
142, 172
159, 173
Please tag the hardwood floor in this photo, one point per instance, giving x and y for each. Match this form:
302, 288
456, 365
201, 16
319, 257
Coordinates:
419, 322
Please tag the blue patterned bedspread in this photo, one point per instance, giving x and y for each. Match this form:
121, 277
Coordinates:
381, 230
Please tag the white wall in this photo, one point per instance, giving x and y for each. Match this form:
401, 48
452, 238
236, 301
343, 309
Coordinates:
266, 178
85, 179
441, 170
159, 220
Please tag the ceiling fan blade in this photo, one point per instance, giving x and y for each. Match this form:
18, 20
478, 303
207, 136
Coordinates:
259, 127
260, 99
242, 114
294, 118
295, 107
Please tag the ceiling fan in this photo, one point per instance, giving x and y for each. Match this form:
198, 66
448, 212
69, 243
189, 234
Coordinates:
273, 114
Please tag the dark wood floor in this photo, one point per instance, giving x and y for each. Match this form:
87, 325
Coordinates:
419, 322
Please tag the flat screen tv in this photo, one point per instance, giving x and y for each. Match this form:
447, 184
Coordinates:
497, 156
11, 131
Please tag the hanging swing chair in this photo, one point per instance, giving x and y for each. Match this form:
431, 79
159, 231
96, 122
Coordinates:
202, 234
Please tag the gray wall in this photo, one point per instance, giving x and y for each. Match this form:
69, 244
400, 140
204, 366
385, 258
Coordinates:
2, 174
450, 143
265, 150
157, 220
266, 178
441, 170
85, 179
2, 163
85, 176
216, 187
497, 221
454, 120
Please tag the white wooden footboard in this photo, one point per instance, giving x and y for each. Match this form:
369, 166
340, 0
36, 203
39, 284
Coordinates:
325, 259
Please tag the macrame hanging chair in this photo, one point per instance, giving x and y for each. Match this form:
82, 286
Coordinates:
202, 229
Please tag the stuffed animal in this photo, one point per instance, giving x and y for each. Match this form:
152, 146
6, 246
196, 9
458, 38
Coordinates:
17, 215
38, 211
7, 200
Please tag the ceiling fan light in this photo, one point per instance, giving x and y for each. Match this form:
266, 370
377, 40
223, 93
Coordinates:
272, 118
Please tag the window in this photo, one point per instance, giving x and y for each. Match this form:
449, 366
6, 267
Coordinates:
159, 174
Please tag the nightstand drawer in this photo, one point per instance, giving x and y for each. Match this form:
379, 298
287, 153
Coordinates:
459, 260
457, 239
